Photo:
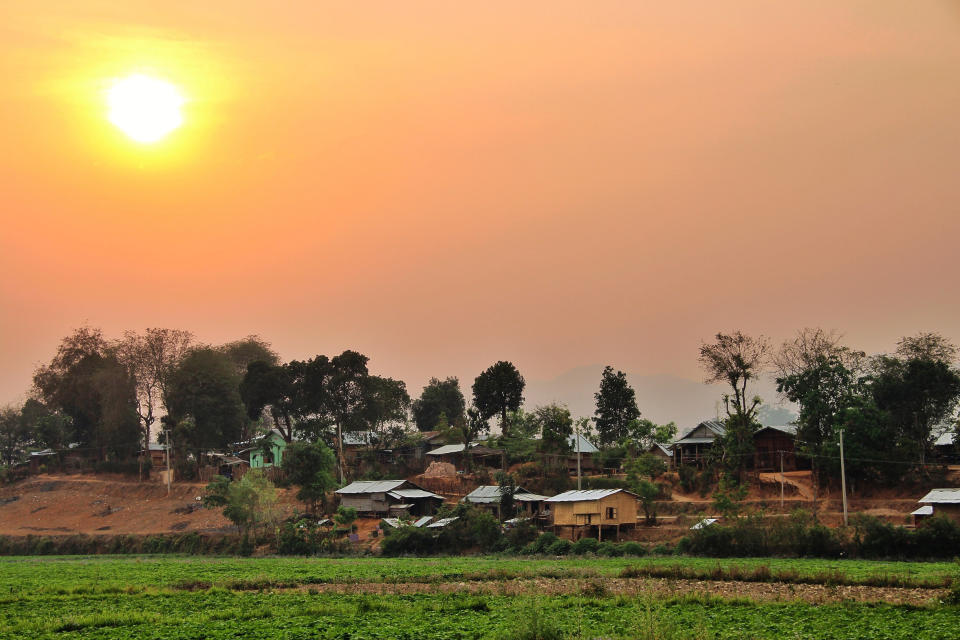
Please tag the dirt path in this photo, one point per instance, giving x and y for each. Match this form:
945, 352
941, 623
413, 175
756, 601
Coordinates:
659, 587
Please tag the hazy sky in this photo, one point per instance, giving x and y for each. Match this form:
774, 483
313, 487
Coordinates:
444, 184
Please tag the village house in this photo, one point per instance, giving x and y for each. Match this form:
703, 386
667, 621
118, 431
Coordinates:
529, 505
158, 455
389, 497
593, 510
662, 451
942, 502
695, 445
356, 442
773, 443
263, 451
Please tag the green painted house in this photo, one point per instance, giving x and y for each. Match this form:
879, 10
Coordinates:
268, 450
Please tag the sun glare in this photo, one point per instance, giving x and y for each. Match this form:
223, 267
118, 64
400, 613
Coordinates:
144, 108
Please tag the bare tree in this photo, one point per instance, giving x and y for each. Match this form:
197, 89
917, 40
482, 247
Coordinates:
811, 346
150, 358
927, 346
736, 359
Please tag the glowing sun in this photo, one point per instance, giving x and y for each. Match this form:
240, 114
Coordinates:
144, 108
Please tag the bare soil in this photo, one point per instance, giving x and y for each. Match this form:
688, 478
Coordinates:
660, 587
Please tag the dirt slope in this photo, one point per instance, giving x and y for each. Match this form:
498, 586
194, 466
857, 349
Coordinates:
63, 504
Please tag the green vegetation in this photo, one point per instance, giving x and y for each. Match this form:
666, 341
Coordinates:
269, 597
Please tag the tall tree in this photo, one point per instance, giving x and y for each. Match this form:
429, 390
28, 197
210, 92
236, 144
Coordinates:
387, 402
616, 407
346, 397
928, 346
497, 391
310, 465
467, 429
272, 388
736, 359
150, 359
205, 388
438, 397
808, 348
86, 382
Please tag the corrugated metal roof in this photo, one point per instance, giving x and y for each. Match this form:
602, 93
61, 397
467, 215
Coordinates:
667, 451
926, 510
422, 521
439, 524
371, 486
584, 495
529, 497
706, 522
695, 441
413, 494
449, 448
585, 445
942, 496
712, 425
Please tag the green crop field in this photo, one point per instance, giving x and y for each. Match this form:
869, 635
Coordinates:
204, 597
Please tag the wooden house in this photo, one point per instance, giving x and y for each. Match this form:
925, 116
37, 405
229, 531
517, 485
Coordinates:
945, 447
389, 497
773, 443
662, 451
356, 442
158, 455
592, 510
263, 451
695, 445
944, 502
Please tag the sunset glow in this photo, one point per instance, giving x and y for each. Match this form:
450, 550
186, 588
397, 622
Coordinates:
144, 108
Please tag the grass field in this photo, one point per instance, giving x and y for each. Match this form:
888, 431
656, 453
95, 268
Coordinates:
203, 597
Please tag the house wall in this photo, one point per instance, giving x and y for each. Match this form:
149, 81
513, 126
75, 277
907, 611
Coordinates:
277, 446
594, 512
768, 445
949, 510
366, 502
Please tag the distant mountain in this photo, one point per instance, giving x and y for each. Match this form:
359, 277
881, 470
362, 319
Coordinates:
661, 398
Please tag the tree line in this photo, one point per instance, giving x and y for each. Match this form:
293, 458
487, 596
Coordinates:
109, 398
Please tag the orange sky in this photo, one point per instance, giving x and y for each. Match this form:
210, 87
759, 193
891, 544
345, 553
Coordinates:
444, 184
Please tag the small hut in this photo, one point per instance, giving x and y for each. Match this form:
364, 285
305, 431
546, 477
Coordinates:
529, 505
943, 502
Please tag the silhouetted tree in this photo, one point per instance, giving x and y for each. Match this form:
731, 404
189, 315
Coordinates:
438, 397
616, 407
497, 391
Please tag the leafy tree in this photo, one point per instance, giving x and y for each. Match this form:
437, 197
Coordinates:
644, 433
467, 430
345, 517
310, 465
640, 474
386, 402
646, 465
616, 407
917, 394
508, 488
205, 388
497, 391
46, 427
438, 397
87, 383
14, 436
243, 353
929, 347
250, 503
346, 397
648, 492
272, 388
556, 428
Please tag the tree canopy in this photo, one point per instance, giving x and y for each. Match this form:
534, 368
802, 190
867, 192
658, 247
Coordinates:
616, 407
497, 391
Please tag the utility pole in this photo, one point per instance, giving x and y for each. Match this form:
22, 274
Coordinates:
843, 480
169, 470
781, 481
577, 432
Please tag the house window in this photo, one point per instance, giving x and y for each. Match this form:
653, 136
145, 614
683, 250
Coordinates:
268, 457
611, 513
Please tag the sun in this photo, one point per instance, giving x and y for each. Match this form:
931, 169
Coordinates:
144, 108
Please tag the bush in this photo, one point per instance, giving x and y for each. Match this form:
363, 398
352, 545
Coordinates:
560, 548
521, 535
663, 550
633, 549
545, 540
610, 549
408, 541
585, 545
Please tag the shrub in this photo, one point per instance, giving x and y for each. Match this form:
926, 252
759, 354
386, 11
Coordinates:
633, 549
545, 540
610, 549
560, 548
585, 545
663, 550
408, 541
521, 535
